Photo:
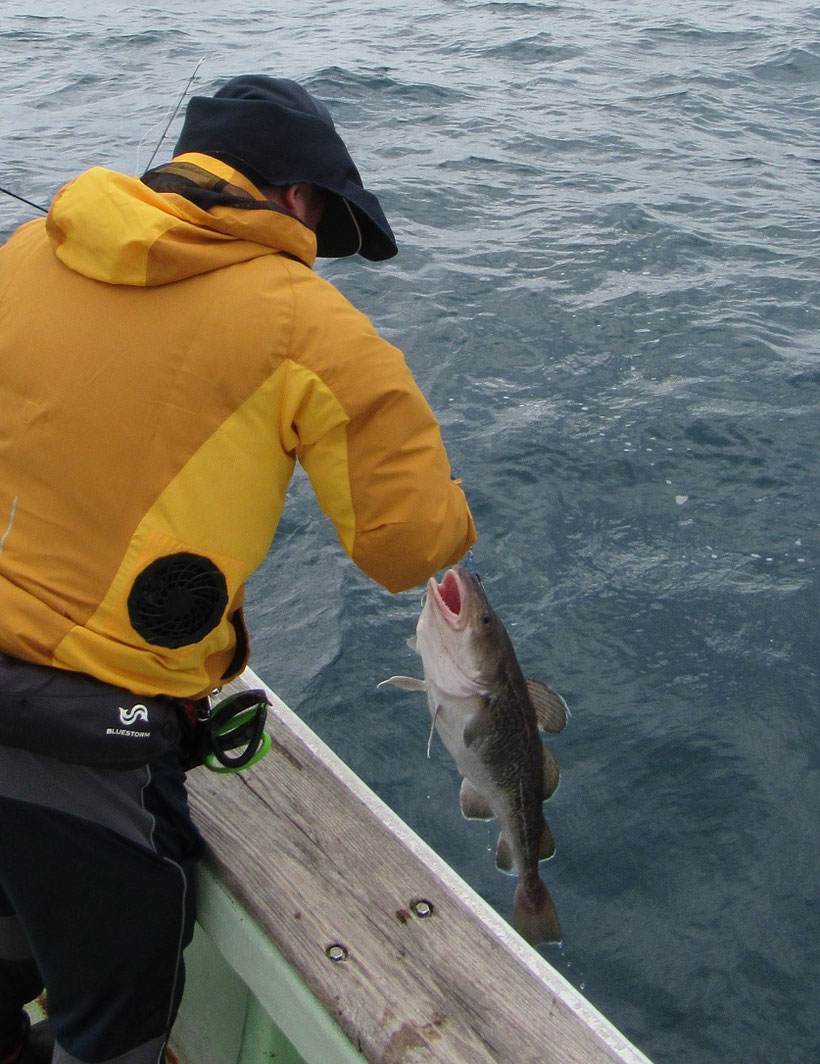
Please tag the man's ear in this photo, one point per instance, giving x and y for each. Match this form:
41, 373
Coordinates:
304, 202
291, 198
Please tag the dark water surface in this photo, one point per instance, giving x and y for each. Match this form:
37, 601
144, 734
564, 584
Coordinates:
608, 289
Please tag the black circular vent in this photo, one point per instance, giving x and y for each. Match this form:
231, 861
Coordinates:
177, 600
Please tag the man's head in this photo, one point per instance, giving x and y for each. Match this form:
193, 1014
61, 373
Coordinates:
283, 139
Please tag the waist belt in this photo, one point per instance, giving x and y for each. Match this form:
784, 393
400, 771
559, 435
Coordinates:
79, 719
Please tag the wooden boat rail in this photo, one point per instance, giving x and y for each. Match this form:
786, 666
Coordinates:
410, 964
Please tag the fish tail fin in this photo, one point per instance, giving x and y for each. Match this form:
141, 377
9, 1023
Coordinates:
534, 915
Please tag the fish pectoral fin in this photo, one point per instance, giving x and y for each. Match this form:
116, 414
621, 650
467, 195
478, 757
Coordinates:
478, 725
474, 806
503, 856
551, 772
406, 683
550, 709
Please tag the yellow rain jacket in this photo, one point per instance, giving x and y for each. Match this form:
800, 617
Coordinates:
162, 367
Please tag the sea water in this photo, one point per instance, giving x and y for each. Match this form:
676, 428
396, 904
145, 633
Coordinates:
608, 289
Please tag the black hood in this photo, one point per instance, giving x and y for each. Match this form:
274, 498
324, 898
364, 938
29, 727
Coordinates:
275, 133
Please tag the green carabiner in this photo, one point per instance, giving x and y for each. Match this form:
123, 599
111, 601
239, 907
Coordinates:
238, 721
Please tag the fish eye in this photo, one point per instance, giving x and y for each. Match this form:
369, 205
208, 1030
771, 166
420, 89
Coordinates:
486, 618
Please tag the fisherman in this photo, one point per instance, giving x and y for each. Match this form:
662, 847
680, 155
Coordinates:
166, 355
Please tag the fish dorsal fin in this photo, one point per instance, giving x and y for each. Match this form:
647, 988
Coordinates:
551, 773
550, 708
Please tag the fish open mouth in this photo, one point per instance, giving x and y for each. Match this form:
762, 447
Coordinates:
448, 598
450, 592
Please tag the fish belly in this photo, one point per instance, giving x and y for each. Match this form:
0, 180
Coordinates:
450, 715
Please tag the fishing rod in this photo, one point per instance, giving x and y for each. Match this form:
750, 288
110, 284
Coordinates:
173, 114
38, 207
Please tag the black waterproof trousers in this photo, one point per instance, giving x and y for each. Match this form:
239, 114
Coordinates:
96, 902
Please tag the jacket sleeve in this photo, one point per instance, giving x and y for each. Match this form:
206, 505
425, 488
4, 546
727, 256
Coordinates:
355, 418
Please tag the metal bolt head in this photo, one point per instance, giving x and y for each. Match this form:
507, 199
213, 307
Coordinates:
422, 908
337, 953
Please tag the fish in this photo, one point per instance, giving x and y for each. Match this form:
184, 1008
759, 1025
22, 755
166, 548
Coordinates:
489, 718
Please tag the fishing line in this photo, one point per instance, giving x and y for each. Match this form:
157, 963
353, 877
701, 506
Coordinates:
23, 199
470, 564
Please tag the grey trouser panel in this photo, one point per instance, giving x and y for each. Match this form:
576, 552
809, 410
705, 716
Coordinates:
151, 1051
96, 902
